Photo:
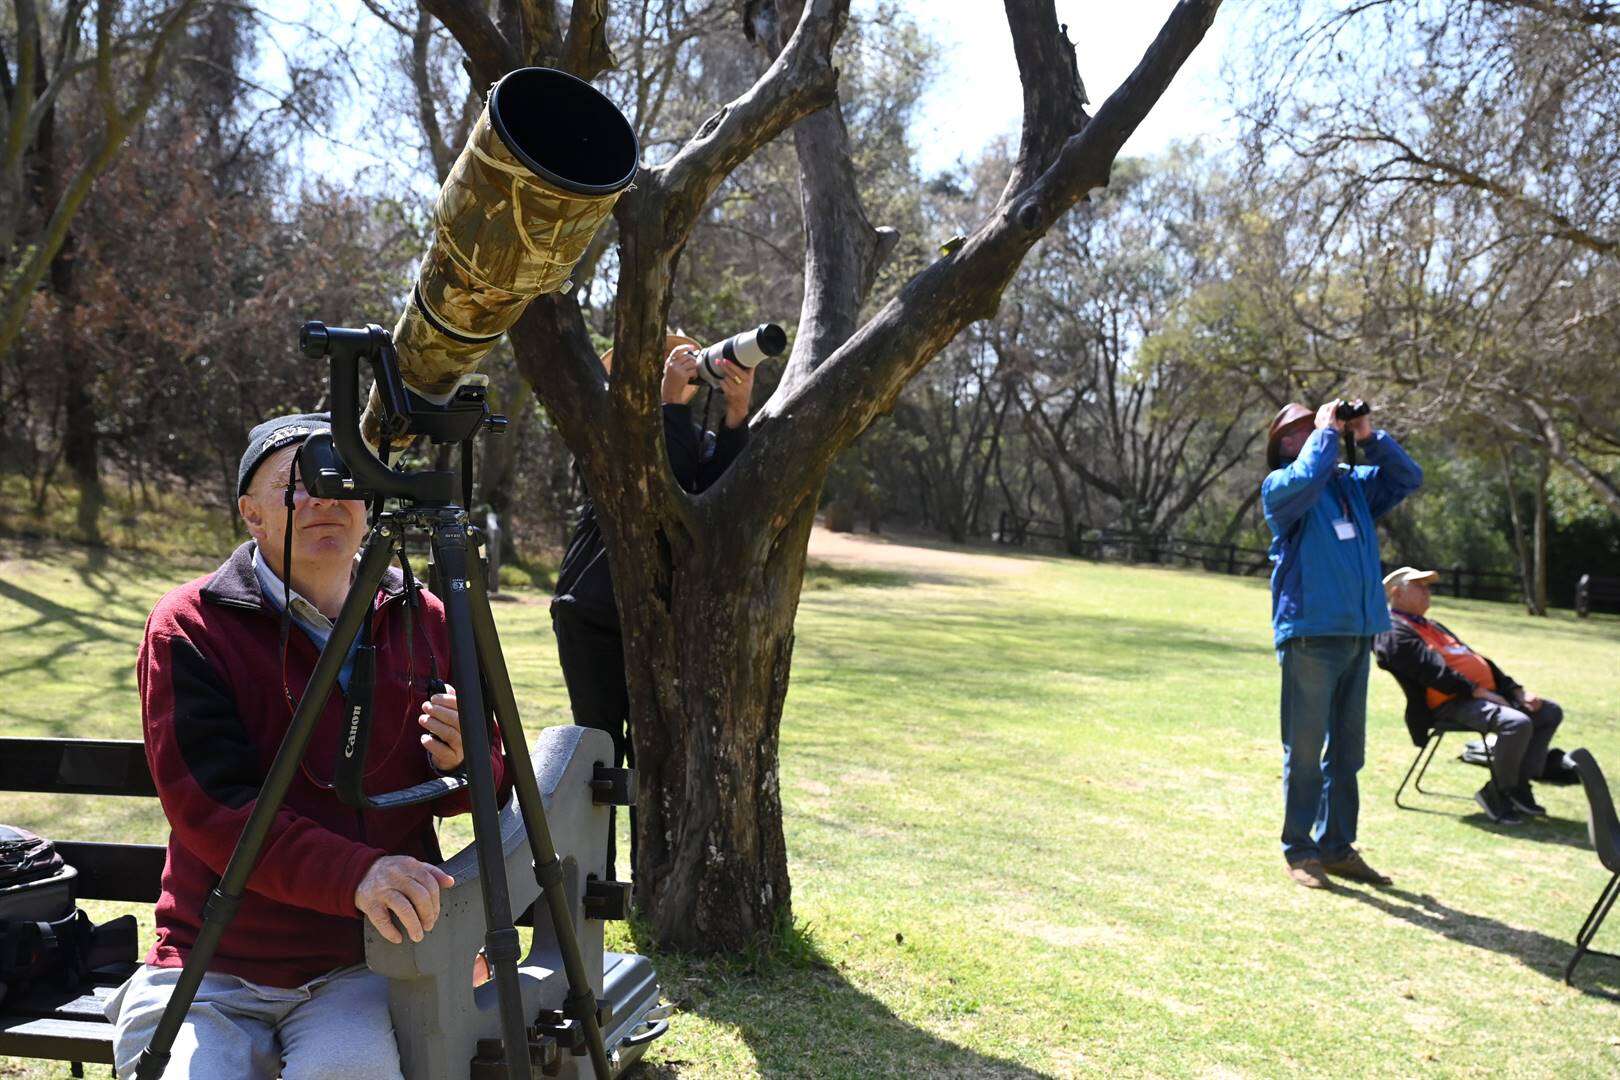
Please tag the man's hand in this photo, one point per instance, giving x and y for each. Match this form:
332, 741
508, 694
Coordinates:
1531, 702
1482, 694
442, 739
680, 368
1326, 417
738, 389
407, 889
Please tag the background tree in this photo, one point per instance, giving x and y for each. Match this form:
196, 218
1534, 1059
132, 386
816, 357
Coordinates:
1468, 201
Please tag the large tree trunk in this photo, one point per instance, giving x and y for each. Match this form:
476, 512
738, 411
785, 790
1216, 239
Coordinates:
708, 585
712, 860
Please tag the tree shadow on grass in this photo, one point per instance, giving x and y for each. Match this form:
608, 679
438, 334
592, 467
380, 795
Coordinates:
824, 575
801, 1018
1542, 953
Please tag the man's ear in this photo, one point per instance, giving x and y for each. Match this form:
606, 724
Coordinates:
252, 515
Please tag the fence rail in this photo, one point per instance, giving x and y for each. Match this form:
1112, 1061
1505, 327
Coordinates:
1112, 545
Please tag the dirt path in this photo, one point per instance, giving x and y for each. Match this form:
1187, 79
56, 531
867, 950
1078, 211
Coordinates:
910, 553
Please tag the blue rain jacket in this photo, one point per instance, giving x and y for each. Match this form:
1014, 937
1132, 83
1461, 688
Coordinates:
1320, 584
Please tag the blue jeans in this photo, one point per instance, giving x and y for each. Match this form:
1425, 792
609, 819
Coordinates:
1324, 736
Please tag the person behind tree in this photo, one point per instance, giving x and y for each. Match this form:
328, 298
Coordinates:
1444, 679
584, 614
1327, 604
287, 993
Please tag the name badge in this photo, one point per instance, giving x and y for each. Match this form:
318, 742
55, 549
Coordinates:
1345, 529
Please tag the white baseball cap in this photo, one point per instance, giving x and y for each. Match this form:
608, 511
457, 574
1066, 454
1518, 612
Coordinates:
1405, 575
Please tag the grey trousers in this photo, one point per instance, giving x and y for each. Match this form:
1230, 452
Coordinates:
1522, 738
335, 1027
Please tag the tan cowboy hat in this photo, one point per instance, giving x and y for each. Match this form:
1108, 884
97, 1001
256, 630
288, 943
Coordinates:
671, 342
1289, 415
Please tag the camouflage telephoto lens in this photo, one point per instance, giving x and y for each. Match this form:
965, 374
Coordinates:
543, 165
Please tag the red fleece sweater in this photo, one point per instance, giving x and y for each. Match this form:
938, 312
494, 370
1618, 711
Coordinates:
213, 715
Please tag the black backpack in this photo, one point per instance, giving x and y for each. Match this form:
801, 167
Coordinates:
1558, 770
45, 940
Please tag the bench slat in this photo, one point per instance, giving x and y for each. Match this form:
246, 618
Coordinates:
75, 766
62, 1040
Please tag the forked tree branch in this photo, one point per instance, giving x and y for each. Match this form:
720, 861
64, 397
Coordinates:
1054, 97
800, 81
861, 380
843, 252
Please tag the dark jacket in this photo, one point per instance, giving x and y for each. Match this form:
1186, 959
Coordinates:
584, 581
1418, 668
213, 715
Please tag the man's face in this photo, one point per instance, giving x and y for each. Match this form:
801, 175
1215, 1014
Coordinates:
1413, 597
326, 532
1293, 437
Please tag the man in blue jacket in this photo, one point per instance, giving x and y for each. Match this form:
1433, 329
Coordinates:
1327, 604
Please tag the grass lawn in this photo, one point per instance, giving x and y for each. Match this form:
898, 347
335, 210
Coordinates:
1032, 812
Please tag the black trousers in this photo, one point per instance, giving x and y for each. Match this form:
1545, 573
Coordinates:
592, 657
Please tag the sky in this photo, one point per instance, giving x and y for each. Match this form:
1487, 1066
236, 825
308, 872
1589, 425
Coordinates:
977, 97
974, 98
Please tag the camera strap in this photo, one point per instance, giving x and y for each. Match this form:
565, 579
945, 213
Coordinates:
286, 582
707, 437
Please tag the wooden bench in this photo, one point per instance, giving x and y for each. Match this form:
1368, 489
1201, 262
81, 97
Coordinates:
1593, 591
71, 1027
439, 1017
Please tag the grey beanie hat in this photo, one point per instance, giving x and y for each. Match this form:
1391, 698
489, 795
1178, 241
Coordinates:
272, 435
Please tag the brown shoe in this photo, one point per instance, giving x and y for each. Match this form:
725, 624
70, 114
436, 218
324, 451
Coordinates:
1354, 867
1309, 873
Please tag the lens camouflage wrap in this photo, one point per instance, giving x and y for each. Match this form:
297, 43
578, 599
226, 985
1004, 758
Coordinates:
502, 235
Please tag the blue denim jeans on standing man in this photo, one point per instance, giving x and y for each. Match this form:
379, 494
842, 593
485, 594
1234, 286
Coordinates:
1324, 736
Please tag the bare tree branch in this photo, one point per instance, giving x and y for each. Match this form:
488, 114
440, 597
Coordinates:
1054, 97
800, 81
586, 52
861, 380
489, 53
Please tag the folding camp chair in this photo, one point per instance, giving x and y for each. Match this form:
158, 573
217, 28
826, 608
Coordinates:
1425, 757
1605, 831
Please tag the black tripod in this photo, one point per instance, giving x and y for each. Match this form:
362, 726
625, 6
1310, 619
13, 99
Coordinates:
478, 671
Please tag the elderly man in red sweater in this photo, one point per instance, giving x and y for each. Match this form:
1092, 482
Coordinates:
287, 993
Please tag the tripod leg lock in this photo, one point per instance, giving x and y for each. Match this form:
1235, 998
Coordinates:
549, 875
151, 1065
502, 946
220, 907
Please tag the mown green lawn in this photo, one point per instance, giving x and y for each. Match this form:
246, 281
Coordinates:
1032, 808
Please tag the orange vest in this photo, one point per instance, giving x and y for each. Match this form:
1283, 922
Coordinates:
1458, 657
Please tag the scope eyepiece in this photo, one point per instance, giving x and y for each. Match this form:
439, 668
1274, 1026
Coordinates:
313, 339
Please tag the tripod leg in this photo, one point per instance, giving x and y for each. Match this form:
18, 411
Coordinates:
500, 938
581, 1001
227, 895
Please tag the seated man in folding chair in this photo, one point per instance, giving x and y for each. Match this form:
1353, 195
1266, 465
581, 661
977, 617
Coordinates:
1445, 680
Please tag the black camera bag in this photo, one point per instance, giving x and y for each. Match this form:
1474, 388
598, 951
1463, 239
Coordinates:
45, 940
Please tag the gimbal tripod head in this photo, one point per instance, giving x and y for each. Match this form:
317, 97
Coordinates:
341, 465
